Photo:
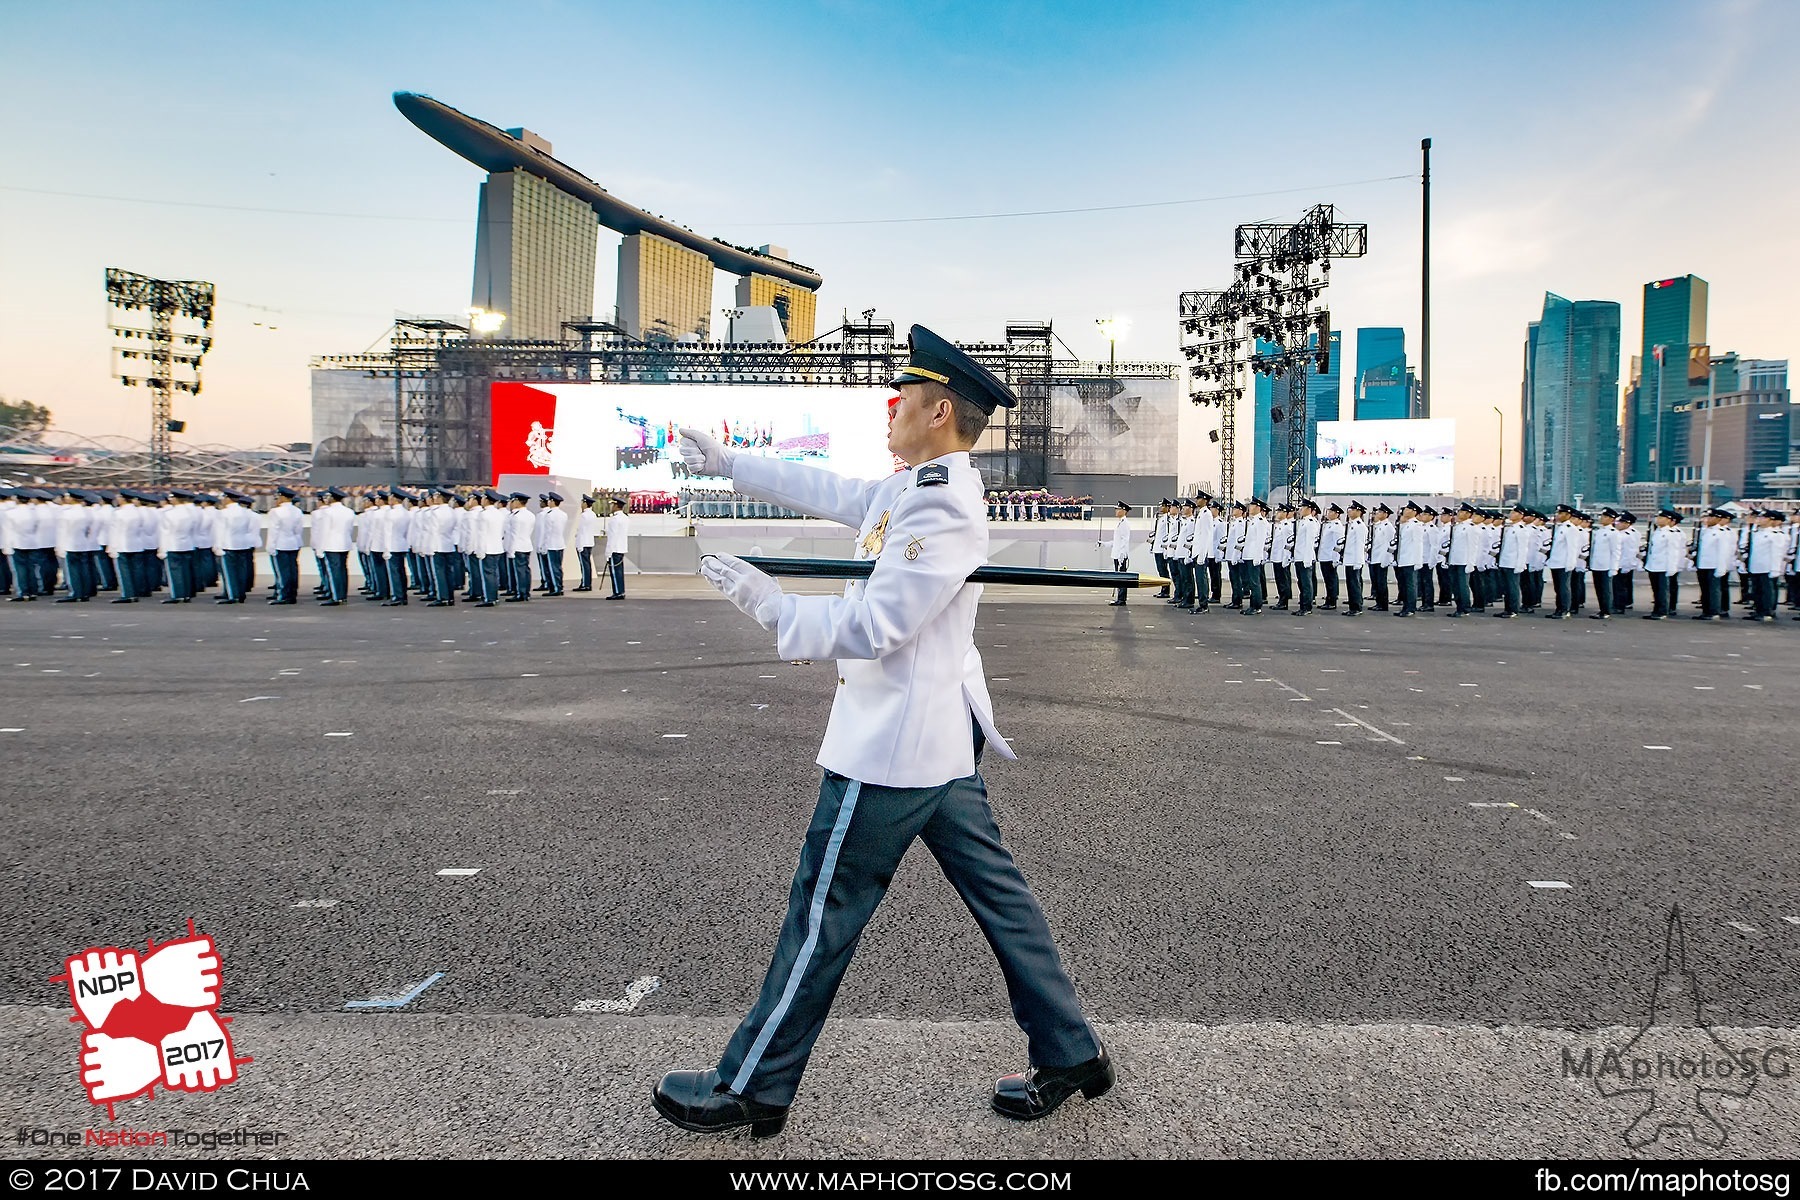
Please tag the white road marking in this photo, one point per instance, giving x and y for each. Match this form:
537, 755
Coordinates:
529, 675
1659, 747
1743, 928
1755, 687
1792, 920
1699, 688
1454, 779
316, 904
1492, 804
1331, 670
1468, 685
1379, 733
674, 735
1001, 678
395, 1001
254, 699
1546, 883
340, 735
504, 791
759, 707
1328, 743
1234, 681
768, 676
12, 730
634, 996
460, 871
1284, 687
634, 643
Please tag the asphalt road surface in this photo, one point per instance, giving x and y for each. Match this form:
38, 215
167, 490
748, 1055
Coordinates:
1295, 867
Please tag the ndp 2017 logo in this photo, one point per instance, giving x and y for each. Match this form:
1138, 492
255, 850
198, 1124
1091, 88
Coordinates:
150, 1019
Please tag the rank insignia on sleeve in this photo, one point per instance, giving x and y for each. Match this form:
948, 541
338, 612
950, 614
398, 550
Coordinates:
913, 547
933, 473
877, 537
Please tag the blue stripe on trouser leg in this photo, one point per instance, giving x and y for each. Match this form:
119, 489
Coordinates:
858, 835
964, 838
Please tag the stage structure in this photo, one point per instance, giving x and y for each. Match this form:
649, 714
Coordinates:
156, 357
1273, 304
420, 413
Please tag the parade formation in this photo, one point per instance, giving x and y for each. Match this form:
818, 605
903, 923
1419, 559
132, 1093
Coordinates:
437, 543
1467, 559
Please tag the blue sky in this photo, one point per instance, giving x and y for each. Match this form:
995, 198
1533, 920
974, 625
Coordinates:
1578, 148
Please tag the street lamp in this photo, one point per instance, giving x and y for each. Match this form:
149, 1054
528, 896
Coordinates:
1500, 459
1112, 329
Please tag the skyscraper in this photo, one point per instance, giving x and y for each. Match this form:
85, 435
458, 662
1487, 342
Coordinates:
534, 252
1571, 402
1674, 319
1386, 388
1268, 467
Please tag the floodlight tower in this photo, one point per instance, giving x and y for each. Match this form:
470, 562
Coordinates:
1211, 341
164, 300
1285, 269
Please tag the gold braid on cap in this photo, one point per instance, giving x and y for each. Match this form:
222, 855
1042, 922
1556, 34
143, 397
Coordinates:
923, 373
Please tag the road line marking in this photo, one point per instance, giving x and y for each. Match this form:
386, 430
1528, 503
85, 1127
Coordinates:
1743, 928
1547, 883
1698, 688
1328, 743
504, 791
1331, 670
1454, 779
768, 677
1390, 737
674, 735
1492, 804
634, 995
1659, 747
1792, 920
395, 1001
460, 871
1284, 687
340, 735
1468, 685
529, 675
254, 699
12, 730
316, 904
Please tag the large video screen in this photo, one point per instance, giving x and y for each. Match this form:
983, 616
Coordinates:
625, 436
1387, 457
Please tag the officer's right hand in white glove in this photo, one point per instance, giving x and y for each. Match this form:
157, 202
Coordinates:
754, 592
704, 454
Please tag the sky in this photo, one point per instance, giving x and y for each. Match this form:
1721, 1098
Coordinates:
1584, 149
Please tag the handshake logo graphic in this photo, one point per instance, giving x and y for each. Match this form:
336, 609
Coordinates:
150, 1019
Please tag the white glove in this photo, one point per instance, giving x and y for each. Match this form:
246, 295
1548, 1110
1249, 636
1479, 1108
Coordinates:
117, 1068
755, 593
184, 973
98, 981
704, 454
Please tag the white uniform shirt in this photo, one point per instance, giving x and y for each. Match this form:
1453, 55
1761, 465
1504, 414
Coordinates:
1331, 540
1356, 542
1768, 551
1383, 541
1121, 540
521, 523
396, 530
331, 528
240, 528
1413, 544
618, 535
909, 675
1206, 535
1307, 537
286, 526
554, 528
1718, 548
1257, 532
1281, 540
175, 528
1516, 540
1466, 544
489, 529
1603, 550
587, 528
1667, 553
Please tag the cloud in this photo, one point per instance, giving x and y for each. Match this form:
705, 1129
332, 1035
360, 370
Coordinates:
1512, 240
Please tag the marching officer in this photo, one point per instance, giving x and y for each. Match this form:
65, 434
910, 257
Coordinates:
900, 754
1121, 547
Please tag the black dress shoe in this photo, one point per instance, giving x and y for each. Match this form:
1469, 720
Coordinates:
485, 604
442, 604
698, 1101
1039, 1091
581, 589
67, 600
330, 603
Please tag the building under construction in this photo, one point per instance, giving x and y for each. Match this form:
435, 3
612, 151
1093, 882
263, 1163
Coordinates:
419, 412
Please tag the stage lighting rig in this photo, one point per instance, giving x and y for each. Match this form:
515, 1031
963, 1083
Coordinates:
165, 300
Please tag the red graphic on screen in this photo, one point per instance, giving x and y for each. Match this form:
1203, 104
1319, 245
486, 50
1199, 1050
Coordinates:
523, 424
150, 1019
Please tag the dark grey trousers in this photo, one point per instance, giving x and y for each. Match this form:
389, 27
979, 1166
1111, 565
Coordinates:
859, 833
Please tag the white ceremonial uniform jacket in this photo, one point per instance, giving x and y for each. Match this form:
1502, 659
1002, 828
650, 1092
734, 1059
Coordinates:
1331, 540
1306, 540
331, 528
1205, 535
521, 523
1121, 543
1281, 541
285, 526
1516, 540
555, 529
1603, 552
1718, 548
587, 528
240, 528
618, 534
176, 529
1183, 547
1466, 545
1413, 548
1356, 542
1768, 552
1381, 543
1668, 550
1234, 540
487, 530
909, 675
1565, 547
1538, 557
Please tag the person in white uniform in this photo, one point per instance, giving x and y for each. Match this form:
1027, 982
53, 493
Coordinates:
1121, 547
900, 753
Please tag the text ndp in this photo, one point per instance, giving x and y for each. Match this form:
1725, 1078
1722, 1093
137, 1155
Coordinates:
106, 984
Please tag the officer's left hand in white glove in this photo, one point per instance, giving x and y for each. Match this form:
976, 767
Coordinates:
751, 590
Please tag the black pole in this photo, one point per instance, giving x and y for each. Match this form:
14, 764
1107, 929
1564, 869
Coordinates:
1425, 291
